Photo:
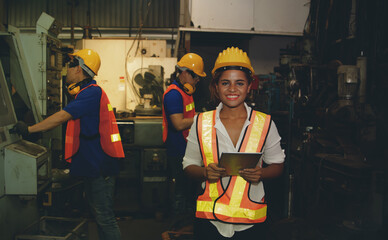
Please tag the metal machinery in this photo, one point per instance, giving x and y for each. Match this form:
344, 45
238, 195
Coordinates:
24, 169
144, 171
40, 54
331, 133
145, 163
328, 131
31, 89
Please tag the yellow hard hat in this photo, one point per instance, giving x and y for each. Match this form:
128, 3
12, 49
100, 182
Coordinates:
233, 57
89, 60
193, 62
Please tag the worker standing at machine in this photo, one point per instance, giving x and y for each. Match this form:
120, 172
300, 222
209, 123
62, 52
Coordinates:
232, 206
178, 114
93, 143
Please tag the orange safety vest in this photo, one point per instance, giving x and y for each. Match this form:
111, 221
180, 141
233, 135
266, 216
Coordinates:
233, 204
109, 133
188, 110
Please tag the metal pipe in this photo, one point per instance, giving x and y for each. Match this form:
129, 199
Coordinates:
362, 65
72, 24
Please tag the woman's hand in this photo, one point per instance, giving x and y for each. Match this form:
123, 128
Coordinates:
253, 175
257, 174
212, 172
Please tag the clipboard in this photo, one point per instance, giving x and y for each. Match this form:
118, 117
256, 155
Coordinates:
233, 162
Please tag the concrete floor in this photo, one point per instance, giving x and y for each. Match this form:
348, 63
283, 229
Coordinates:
139, 218
136, 229
142, 219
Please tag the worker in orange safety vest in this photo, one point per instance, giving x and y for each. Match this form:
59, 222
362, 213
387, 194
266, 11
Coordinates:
232, 205
178, 113
92, 144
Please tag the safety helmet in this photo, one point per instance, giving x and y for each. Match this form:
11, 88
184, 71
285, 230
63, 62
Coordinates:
193, 62
233, 57
89, 61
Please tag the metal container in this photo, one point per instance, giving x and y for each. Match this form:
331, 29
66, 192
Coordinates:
348, 80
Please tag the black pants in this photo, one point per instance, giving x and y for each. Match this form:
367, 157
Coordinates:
184, 188
205, 230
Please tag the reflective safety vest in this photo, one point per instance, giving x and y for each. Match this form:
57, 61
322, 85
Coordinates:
233, 204
108, 131
188, 110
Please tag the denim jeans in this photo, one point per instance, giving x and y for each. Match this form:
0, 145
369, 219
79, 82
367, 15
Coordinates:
99, 194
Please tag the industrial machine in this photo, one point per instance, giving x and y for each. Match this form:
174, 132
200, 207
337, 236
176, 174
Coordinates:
145, 163
25, 170
144, 172
30, 90
332, 128
35, 62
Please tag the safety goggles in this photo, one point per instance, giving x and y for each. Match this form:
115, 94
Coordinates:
77, 61
193, 74
73, 63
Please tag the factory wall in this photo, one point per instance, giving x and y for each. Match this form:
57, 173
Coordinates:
264, 51
103, 13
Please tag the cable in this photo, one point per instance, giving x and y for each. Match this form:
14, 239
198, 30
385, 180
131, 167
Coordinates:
137, 38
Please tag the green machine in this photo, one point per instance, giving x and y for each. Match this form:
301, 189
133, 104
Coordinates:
24, 171
30, 90
39, 57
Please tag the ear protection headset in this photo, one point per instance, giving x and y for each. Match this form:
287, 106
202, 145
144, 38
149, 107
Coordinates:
188, 88
74, 88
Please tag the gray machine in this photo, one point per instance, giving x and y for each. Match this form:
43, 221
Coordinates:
24, 171
30, 90
35, 62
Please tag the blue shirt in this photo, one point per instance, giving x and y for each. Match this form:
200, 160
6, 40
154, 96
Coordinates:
173, 103
90, 160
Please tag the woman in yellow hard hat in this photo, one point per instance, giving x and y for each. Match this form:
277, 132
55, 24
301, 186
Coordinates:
232, 204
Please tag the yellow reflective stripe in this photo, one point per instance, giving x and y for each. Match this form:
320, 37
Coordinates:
213, 191
189, 107
110, 107
257, 129
238, 192
115, 137
207, 137
205, 206
236, 211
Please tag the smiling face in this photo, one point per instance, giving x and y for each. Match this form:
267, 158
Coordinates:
232, 88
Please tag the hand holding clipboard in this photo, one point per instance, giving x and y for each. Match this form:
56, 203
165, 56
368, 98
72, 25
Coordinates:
234, 162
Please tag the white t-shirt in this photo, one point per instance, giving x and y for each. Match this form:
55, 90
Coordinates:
272, 153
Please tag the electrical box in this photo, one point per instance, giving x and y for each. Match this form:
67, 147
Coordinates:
27, 168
